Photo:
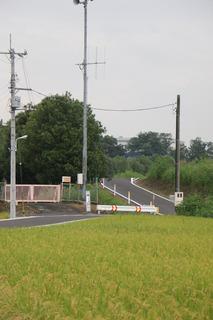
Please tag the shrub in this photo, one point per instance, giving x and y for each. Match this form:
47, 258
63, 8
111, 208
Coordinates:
196, 205
159, 167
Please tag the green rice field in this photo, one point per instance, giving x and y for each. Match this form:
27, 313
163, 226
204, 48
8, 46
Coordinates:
115, 267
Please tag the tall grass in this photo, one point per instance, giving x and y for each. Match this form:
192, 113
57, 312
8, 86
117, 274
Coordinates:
120, 267
129, 174
195, 176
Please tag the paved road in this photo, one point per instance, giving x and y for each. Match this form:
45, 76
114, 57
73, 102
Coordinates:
43, 220
141, 196
48, 214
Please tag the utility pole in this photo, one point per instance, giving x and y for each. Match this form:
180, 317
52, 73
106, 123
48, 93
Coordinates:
83, 66
84, 163
177, 149
13, 107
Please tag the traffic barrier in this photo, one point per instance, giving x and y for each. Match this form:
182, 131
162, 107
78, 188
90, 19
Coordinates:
138, 209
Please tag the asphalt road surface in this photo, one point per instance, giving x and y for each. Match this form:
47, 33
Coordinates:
141, 196
43, 220
47, 214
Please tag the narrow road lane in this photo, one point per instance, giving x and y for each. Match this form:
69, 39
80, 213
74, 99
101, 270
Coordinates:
141, 196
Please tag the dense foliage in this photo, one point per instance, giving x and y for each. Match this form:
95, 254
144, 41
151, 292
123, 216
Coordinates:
54, 144
195, 176
54, 148
196, 205
150, 144
137, 165
111, 147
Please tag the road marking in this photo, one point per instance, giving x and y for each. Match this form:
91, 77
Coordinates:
41, 216
59, 223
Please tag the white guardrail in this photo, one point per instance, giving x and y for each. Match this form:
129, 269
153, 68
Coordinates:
138, 209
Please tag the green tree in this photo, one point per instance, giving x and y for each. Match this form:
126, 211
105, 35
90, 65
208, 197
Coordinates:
4, 152
184, 152
111, 147
198, 149
54, 144
150, 144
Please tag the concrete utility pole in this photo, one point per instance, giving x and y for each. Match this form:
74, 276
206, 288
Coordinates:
177, 149
13, 107
83, 66
84, 164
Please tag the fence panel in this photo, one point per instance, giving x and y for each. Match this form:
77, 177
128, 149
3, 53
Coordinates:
35, 193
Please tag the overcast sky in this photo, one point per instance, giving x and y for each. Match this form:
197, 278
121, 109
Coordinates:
153, 49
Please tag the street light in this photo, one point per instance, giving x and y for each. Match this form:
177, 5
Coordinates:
84, 65
20, 138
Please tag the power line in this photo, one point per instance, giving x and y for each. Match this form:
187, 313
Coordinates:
27, 81
42, 94
135, 110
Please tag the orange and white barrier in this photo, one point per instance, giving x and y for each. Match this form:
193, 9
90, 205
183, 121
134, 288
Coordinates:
138, 209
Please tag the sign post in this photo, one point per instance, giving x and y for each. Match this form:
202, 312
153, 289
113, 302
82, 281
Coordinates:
88, 201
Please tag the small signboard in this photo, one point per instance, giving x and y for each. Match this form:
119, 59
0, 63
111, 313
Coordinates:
66, 179
80, 178
17, 102
178, 198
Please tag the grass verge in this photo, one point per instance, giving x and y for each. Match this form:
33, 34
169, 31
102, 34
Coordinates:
106, 197
4, 215
129, 174
122, 267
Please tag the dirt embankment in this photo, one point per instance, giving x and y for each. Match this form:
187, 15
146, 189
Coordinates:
156, 187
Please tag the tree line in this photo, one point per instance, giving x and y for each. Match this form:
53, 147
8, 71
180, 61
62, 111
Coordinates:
150, 144
54, 145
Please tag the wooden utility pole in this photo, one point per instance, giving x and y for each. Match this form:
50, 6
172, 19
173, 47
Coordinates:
177, 149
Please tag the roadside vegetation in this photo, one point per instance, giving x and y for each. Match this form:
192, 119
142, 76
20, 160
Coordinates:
196, 183
106, 197
120, 267
54, 149
4, 214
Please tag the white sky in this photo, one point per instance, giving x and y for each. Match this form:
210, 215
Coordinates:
154, 51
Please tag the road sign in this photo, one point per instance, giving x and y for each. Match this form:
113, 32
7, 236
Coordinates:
66, 179
138, 209
114, 208
80, 178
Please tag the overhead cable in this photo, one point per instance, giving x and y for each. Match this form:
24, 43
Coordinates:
42, 94
135, 110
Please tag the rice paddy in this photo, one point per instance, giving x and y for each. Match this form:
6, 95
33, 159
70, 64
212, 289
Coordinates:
116, 267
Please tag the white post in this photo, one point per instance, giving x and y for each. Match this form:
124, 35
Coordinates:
153, 199
114, 192
88, 201
129, 197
